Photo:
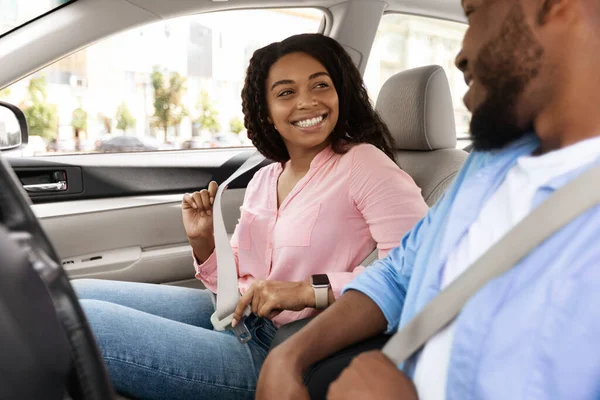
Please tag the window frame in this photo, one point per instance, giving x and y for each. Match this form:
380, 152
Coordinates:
412, 14
52, 10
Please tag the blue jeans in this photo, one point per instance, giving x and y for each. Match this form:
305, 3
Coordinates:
158, 342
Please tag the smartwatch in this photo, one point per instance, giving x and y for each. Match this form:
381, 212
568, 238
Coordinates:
321, 285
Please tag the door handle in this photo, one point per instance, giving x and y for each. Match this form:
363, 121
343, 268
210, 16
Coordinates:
46, 187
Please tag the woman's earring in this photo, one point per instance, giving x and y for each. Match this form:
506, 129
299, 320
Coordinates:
275, 128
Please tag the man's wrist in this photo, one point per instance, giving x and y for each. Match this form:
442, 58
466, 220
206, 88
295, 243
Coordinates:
293, 356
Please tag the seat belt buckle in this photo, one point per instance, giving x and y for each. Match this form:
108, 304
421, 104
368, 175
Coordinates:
241, 331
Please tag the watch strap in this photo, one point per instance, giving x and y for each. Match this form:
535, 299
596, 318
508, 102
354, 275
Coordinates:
321, 297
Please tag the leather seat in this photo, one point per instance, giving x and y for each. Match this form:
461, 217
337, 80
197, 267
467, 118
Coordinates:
417, 107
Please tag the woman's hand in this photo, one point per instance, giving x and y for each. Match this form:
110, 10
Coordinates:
197, 213
196, 209
269, 298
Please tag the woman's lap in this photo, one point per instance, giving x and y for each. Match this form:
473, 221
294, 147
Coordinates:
152, 356
190, 306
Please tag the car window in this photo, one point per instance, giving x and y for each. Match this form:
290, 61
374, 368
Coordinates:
164, 83
16, 13
406, 41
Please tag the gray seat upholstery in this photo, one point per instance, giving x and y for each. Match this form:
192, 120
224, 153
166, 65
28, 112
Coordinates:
417, 107
231, 202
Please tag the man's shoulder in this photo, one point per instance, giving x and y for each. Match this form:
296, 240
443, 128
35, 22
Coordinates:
499, 158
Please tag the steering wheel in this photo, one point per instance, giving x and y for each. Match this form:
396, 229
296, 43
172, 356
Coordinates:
25, 250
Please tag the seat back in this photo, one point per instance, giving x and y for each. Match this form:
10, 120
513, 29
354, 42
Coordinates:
417, 107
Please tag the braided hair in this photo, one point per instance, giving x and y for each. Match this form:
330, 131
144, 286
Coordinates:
358, 122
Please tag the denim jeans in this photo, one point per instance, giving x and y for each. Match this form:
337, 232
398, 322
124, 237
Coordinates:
158, 342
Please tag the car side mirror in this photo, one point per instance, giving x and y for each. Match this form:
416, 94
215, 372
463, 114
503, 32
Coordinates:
13, 127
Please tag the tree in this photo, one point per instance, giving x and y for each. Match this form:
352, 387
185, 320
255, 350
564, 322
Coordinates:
168, 110
236, 125
207, 114
42, 118
124, 118
79, 121
4, 93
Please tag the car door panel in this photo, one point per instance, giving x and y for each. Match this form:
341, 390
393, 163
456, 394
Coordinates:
93, 176
133, 238
126, 223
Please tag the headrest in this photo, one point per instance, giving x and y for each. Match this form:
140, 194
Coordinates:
417, 107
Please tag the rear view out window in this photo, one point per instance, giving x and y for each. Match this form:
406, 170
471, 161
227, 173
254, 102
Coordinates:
407, 41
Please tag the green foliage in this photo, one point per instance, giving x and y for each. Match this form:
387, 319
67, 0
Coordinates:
124, 118
236, 125
42, 118
79, 120
208, 115
4, 93
168, 107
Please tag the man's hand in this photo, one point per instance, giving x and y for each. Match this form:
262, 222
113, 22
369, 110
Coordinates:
269, 298
281, 378
372, 375
351, 319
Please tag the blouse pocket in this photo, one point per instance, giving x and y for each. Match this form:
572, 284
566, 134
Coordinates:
295, 230
244, 229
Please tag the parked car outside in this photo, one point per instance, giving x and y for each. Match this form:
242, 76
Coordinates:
123, 144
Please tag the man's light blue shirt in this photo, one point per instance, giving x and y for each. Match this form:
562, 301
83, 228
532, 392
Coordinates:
534, 332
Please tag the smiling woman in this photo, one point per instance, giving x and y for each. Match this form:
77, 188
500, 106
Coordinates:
298, 80
303, 109
307, 222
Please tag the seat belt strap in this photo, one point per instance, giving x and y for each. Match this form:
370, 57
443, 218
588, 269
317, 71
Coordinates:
563, 206
227, 276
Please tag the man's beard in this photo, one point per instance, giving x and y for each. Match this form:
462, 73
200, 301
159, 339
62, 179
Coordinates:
504, 67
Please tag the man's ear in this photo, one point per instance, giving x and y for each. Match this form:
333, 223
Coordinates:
554, 9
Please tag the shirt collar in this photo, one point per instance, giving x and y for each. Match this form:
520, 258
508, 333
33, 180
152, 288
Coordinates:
321, 158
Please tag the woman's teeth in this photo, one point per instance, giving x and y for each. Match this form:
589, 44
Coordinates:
307, 123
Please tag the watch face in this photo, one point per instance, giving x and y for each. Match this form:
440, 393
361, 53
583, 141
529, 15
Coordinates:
320, 280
